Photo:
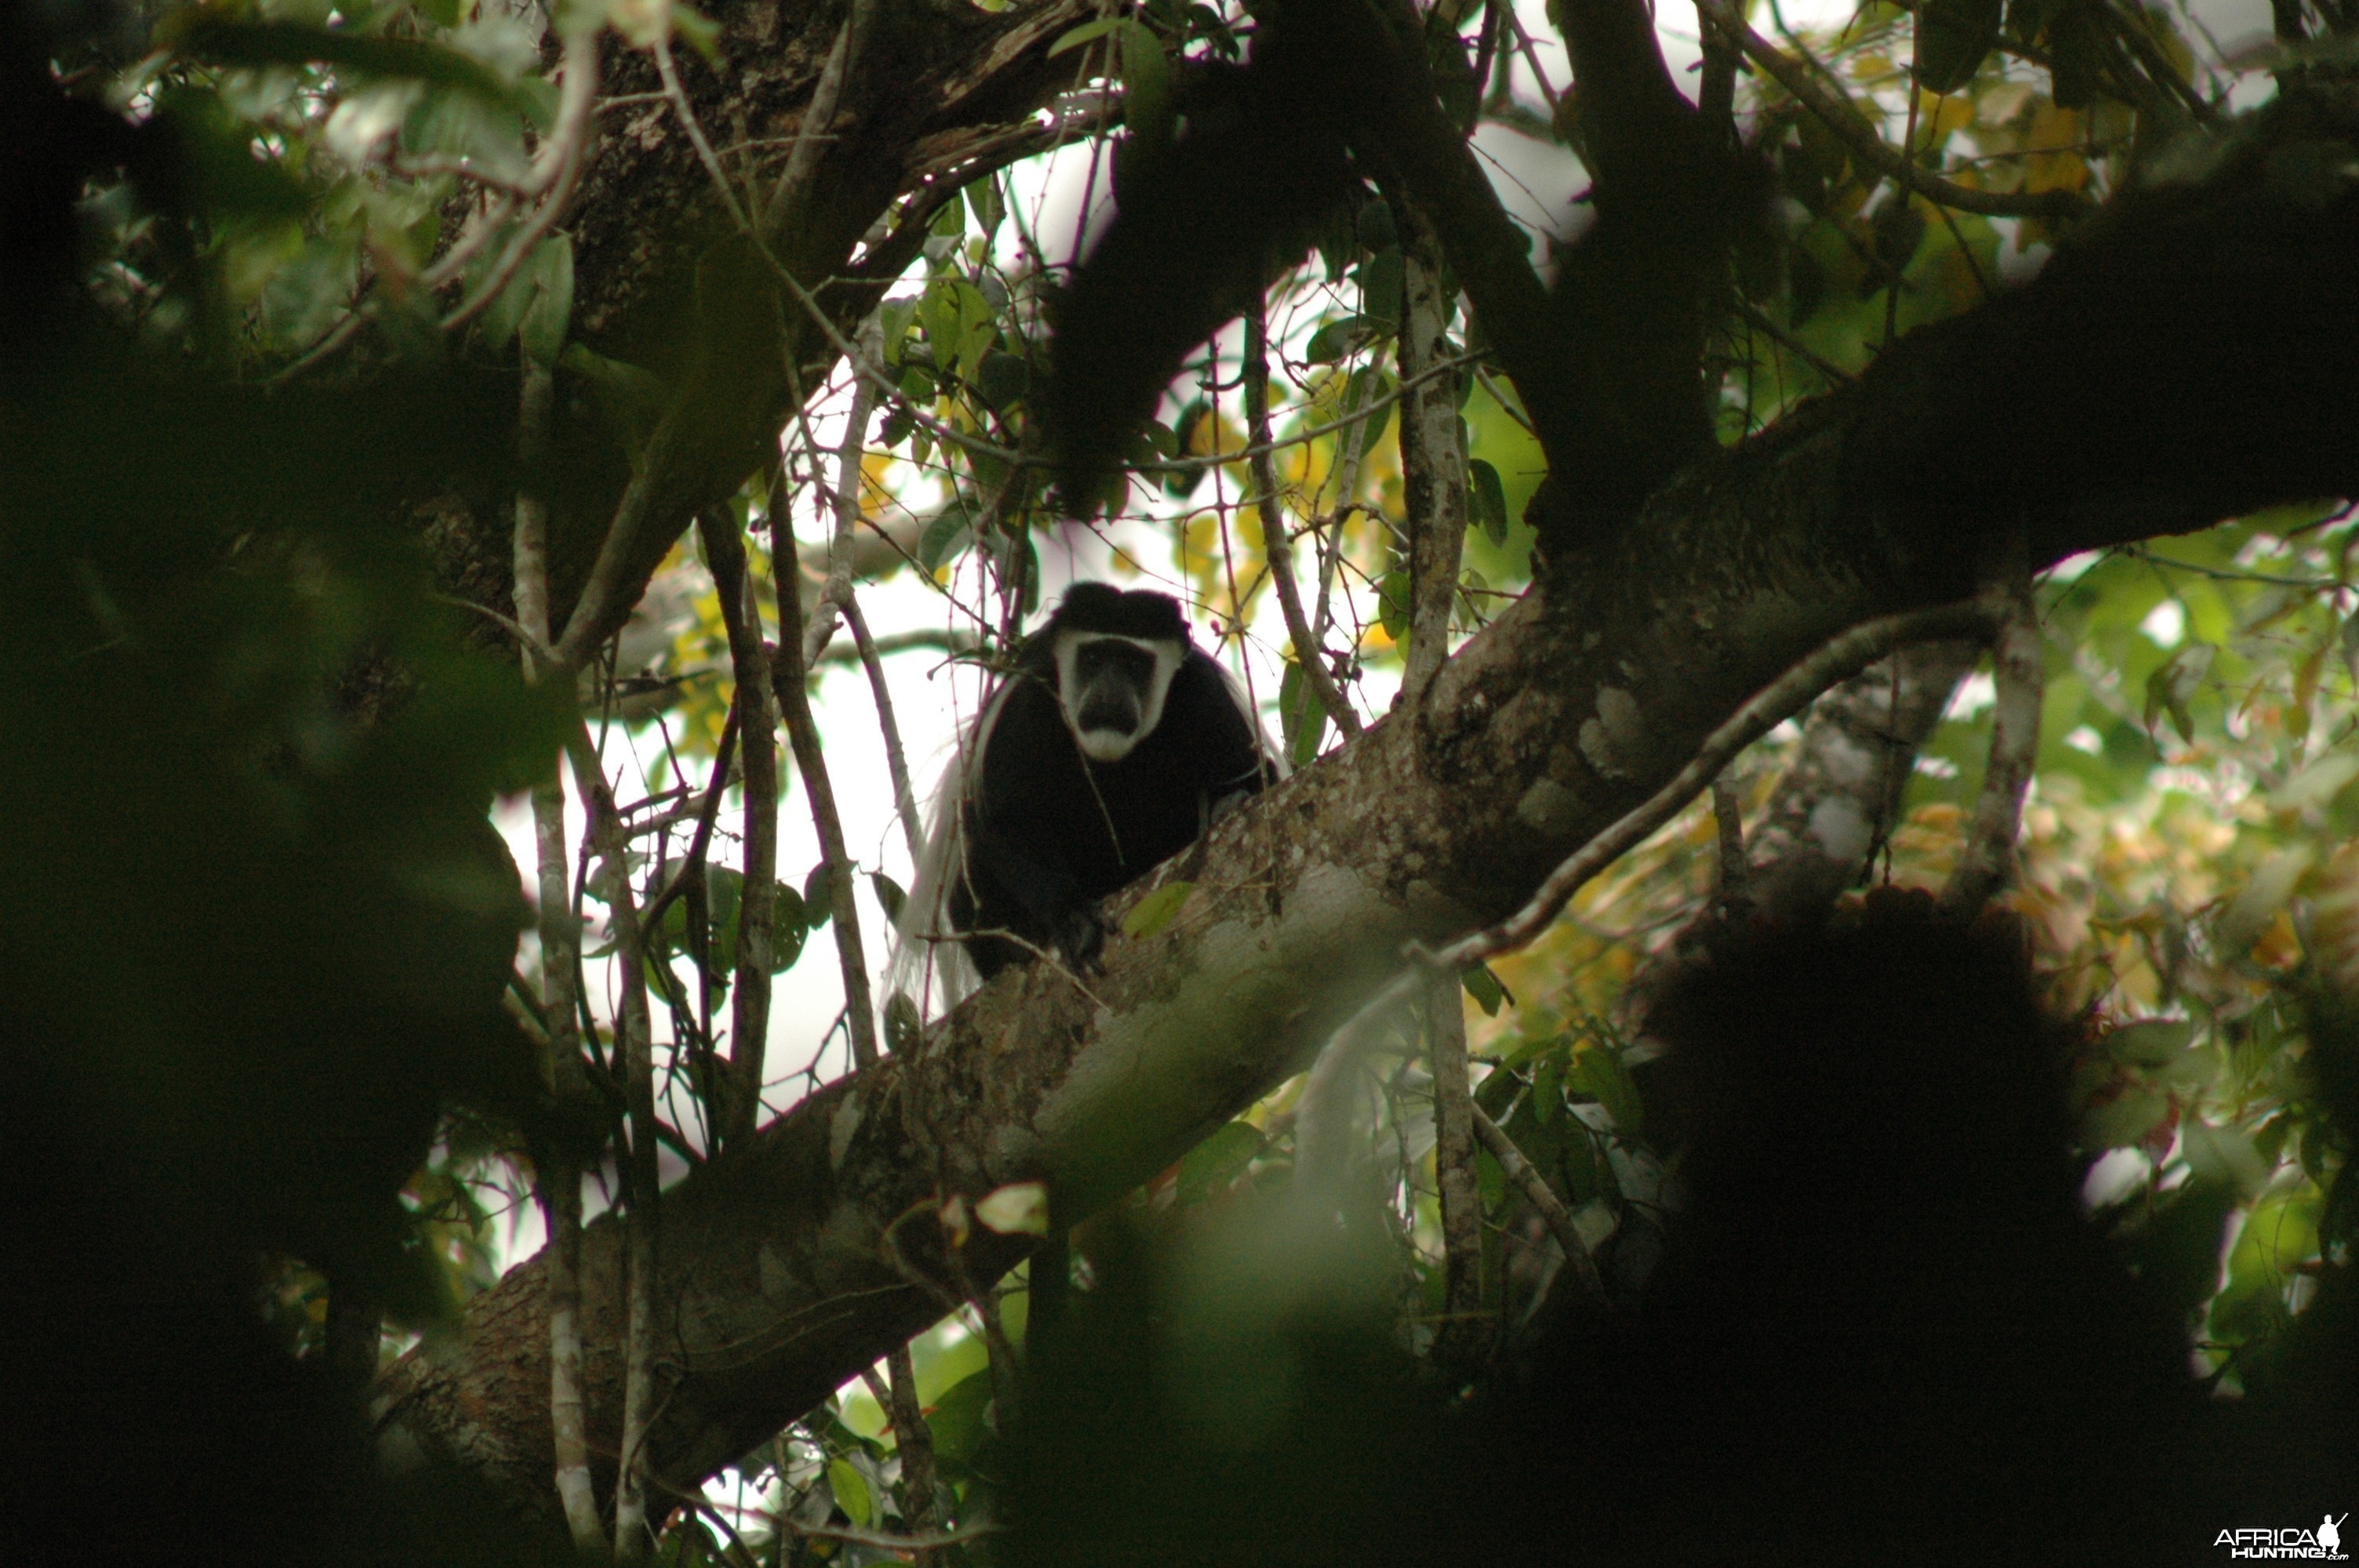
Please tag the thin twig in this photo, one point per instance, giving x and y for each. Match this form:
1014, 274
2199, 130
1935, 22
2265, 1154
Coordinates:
828, 607
1543, 1198
788, 678
1278, 545
1757, 318
897, 762
1839, 658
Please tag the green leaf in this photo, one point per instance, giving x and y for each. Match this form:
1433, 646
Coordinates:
1156, 911
2174, 684
944, 536
698, 31
986, 205
2123, 1121
1001, 378
1367, 386
1380, 288
816, 898
1485, 988
1301, 714
1490, 498
1335, 339
961, 1418
1599, 1073
1219, 1160
1075, 38
1953, 38
1392, 603
2150, 1042
851, 1490
888, 893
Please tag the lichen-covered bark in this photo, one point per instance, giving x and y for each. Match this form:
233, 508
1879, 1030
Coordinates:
2183, 367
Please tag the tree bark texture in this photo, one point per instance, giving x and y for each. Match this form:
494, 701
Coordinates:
2183, 362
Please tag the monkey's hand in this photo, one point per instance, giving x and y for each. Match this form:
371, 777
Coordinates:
1081, 937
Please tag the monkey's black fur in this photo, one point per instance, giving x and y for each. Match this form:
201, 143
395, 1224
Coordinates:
1232, 198
1047, 832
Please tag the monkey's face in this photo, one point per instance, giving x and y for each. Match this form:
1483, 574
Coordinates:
1112, 688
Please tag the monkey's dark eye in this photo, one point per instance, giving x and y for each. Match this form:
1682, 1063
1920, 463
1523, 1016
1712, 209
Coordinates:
1128, 662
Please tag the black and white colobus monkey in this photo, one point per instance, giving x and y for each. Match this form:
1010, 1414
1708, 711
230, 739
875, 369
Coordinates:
1111, 747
